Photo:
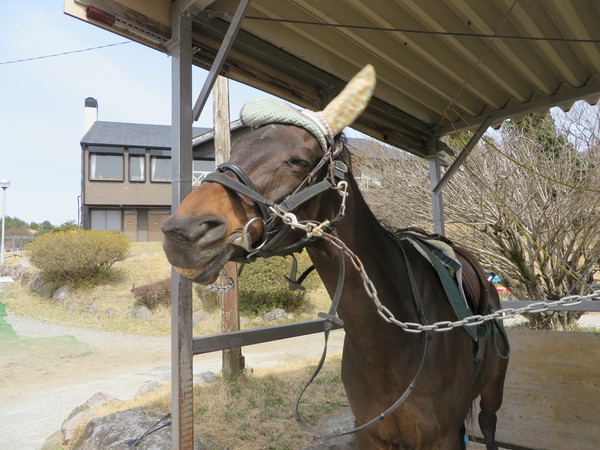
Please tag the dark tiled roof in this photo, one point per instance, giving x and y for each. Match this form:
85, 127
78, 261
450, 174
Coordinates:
133, 135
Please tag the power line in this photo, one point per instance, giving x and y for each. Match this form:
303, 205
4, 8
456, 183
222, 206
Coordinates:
64, 53
430, 32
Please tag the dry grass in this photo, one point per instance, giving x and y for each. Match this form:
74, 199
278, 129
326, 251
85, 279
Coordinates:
256, 410
147, 263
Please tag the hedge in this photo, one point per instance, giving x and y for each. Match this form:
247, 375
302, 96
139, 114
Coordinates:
78, 257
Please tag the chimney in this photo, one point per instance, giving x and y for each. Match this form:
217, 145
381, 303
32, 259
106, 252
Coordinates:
90, 113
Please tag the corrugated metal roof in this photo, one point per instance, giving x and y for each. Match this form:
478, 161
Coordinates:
443, 65
133, 135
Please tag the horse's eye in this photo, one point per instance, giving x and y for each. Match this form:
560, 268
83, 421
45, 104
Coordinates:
298, 162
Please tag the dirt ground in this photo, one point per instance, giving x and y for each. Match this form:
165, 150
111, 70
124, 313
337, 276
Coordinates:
40, 387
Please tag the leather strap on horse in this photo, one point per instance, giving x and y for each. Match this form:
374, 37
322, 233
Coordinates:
238, 186
296, 283
450, 288
331, 317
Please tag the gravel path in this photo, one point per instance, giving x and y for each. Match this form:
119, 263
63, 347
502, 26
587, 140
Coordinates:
38, 389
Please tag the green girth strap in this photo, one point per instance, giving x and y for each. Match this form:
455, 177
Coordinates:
451, 289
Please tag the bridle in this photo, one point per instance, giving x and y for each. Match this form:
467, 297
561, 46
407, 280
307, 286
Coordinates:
279, 219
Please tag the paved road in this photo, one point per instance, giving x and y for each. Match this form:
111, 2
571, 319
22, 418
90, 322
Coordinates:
39, 390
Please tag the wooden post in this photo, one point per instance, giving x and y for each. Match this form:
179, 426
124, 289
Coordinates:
233, 361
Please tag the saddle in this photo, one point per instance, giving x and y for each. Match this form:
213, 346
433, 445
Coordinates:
462, 265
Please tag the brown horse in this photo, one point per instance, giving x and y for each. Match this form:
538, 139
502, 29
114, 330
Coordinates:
218, 222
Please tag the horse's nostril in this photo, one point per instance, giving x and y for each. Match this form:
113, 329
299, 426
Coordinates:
202, 230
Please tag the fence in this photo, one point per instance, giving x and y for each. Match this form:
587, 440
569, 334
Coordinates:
224, 341
14, 244
550, 399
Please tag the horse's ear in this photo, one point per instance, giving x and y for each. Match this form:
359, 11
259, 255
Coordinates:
352, 101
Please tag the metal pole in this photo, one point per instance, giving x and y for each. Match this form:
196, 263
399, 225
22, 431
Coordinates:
181, 289
462, 156
4, 184
3, 220
437, 200
217, 64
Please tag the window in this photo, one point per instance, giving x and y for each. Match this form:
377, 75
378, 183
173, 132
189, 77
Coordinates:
161, 169
137, 170
106, 167
106, 219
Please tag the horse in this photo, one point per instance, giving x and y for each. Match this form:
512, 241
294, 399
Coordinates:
288, 187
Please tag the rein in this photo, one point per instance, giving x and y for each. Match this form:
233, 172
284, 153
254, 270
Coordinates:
278, 220
331, 317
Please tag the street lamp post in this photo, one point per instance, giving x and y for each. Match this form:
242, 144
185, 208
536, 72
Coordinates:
4, 184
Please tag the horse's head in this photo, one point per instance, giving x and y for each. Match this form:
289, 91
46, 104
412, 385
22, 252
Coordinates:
272, 178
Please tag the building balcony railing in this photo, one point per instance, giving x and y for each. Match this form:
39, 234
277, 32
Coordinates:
198, 176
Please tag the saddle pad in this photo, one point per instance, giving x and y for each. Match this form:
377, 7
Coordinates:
442, 264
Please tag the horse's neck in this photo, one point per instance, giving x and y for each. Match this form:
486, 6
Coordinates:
379, 253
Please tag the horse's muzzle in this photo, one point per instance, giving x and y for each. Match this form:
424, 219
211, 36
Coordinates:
189, 241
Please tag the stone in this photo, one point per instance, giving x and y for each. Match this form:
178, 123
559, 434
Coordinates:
336, 423
83, 412
140, 312
110, 312
24, 264
149, 386
21, 269
25, 278
119, 431
90, 309
205, 377
67, 429
274, 315
41, 286
16, 273
62, 294
95, 401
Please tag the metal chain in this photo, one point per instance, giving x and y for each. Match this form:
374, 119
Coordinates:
313, 229
446, 325
227, 287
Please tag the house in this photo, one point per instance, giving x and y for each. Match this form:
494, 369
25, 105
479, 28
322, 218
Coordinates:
126, 173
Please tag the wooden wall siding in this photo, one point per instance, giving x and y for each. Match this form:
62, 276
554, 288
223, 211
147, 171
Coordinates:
552, 393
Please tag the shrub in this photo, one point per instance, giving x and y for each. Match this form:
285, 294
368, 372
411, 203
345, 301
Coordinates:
153, 295
209, 299
263, 286
78, 257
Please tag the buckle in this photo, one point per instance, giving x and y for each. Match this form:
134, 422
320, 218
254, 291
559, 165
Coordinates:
340, 169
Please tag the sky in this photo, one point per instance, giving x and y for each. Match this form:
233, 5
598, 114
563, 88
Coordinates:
42, 101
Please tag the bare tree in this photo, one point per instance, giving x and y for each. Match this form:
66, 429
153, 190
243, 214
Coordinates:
526, 202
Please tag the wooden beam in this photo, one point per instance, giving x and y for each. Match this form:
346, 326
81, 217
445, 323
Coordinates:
233, 361
216, 342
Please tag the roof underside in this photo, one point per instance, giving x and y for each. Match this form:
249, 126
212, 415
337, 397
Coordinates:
443, 65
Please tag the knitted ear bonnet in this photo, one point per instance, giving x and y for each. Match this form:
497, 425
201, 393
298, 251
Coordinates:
324, 125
